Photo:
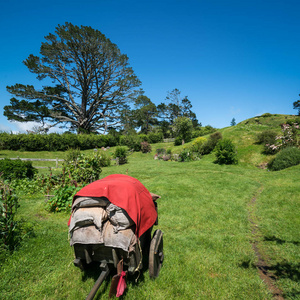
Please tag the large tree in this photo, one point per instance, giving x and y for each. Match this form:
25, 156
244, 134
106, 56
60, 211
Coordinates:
91, 82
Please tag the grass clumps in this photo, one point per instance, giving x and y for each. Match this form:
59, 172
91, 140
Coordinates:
286, 158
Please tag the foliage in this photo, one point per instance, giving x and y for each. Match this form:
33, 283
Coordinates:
211, 143
145, 147
155, 137
176, 107
84, 168
121, 154
266, 115
200, 131
183, 128
286, 158
266, 138
198, 143
12, 232
62, 200
233, 122
16, 169
187, 155
296, 105
54, 141
288, 138
225, 152
145, 113
133, 142
93, 82
26, 186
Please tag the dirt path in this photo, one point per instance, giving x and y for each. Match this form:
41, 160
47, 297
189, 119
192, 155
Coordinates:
262, 265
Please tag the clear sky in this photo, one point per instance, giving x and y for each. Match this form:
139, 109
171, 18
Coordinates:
231, 58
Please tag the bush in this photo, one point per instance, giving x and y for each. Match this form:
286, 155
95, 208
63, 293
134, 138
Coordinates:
145, 147
12, 232
186, 155
83, 169
211, 143
62, 200
286, 158
121, 154
266, 137
198, 143
226, 152
16, 169
155, 137
131, 141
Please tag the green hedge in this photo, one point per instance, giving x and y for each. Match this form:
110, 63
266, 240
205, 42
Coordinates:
62, 142
54, 141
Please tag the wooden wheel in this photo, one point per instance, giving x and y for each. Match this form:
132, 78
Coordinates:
156, 255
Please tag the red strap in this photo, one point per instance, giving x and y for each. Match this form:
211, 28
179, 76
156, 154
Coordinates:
121, 285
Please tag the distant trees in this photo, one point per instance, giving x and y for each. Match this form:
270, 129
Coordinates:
296, 105
175, 107
145, 113
183, 128
92, 82
233, 123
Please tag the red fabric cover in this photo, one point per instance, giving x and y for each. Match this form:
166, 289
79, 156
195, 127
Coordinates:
121, 285
128, 193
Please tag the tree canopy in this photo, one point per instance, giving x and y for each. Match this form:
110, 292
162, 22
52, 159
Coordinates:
91, 82
296, 105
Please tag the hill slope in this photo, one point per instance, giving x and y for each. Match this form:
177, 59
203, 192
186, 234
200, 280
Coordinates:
244, 135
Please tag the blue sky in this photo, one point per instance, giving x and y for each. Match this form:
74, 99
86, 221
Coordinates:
231, 58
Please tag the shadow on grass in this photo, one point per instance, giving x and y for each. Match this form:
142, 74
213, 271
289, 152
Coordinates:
93, 271
279, 241
286, 270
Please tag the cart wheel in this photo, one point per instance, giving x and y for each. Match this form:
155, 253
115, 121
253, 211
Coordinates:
156, 255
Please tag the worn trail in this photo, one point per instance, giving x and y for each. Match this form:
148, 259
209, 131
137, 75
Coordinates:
262, 264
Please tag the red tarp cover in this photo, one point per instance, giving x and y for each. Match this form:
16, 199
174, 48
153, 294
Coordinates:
128, 193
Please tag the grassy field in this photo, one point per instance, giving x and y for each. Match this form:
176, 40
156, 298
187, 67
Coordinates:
210, 215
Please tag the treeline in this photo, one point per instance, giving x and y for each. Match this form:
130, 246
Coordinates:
65, 141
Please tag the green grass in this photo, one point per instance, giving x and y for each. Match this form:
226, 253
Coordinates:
204, 214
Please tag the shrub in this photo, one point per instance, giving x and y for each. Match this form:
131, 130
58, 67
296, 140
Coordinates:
155, 137
266, 137
104, 159
121, 154
131, 141
160, 151
62, 200
83, 169
186, 155
178, 141
16, 169
145, 147
12, 232
225, 152
265, 115
286, 158
197, 144
211, 143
